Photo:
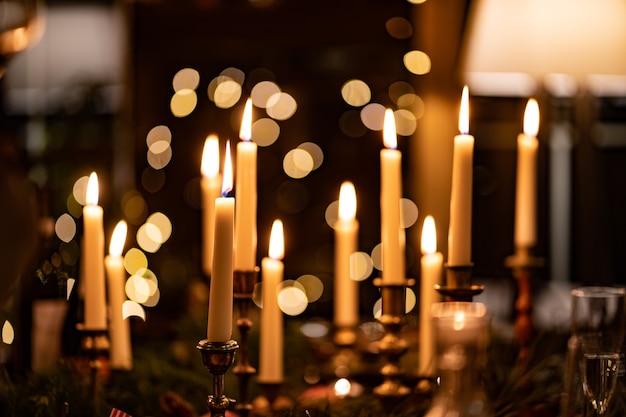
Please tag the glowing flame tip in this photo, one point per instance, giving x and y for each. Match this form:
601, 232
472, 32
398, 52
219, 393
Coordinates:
277, 241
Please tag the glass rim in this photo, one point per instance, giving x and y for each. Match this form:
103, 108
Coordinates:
598, 291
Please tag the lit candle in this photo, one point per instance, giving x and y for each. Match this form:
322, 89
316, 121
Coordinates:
346, 230
271, 343
460, 231
119, 330
390, 195
526, 192
431, 272
211, 187
93, 259
246, 196
220, 320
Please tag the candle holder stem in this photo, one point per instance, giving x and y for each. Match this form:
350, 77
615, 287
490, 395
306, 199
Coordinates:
392, 346
243, 287
94, 344
217, 357
459, 285
523, 266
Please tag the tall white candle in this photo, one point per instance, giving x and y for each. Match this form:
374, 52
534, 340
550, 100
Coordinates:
220, 320
93, 259
390, 194
346, 300
526, 191
246, 196
460, 231
431, 273
119, 329
211, 185
271, 343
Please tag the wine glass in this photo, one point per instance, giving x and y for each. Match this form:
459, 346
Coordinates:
598, 320
21, 26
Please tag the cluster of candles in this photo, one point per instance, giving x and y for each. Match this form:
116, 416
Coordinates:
230, 237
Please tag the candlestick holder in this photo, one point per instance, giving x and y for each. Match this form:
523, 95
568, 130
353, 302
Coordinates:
94, 344
392, 345
217, 357
272, 402
243, 287
523, 266
459, 285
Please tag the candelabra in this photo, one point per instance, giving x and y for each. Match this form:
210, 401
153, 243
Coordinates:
392, 345
243, 286
523, 266
459, 285
94, 344
217, 357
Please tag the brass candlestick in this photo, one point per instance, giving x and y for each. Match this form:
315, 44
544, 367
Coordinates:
94, 344
459, 285
217, 357
243, 286
274, 403
392, 345
523, 266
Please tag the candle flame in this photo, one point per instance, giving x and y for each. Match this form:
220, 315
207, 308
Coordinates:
429, 236
118, 239
459, 320
464, 112
227, 181
531, 118
277, 241
210, 166
245, 132
347, 201
389, 130
91, 197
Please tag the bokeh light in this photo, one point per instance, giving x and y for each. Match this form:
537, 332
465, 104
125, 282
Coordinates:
398, 89
262, 91
417, 62
79, 190
314, 329
356, 93
164, 226
135, 260
406, 123
235, 74
183, 102
134, 207
142, 285
159, 160
399, 27
227, 94
265, 131
281, 106
373, 116
187, 78
313, 287
408, 213
342, 387
149, 237
65, 227
377, 256
361, 266
160, 133
292, 300
131, 308
315, 151
298, 163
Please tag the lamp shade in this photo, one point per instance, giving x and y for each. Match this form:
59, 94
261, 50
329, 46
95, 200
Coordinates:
513, 47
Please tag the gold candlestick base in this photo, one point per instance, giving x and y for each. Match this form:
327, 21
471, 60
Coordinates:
524, 266
459, 285
243, 287
94, 344
217, 357
392, 346
271, 402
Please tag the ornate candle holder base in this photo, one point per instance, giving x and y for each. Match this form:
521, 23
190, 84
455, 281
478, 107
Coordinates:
392, 346
94, 344
271, 402
217, 357
344, 359
523, 266
459, 285
243, 287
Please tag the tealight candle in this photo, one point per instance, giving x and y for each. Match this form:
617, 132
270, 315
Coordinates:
93, 259
220, 320
460, 231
